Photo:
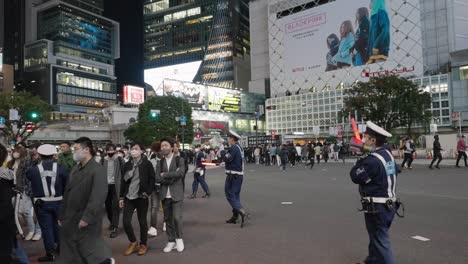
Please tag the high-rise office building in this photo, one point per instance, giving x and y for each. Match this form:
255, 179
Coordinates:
204, 41
69, 54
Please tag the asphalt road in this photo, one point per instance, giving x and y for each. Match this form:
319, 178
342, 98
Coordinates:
322, 225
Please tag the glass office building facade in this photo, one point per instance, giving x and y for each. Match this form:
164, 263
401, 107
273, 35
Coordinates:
70, 60
319, 111
213, 32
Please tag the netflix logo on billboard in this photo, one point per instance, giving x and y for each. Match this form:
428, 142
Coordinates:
133, 95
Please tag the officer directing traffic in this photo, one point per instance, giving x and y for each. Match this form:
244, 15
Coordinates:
234, 165
48, 181
376, 175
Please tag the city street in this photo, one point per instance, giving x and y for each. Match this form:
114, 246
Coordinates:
319, 222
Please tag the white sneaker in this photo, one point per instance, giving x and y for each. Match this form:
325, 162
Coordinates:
29, 236
180, 244
37, 237
169, 247
153, 232
112, 260
164, 227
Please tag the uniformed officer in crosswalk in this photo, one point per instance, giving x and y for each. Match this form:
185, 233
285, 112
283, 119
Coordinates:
48, 181
376, 174
234, 165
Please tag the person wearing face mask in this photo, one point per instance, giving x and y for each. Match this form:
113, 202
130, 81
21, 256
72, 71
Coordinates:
376, 175
113, 165
137, 184
65, 158
169, 173
81, 214
48, 180
20, 165
199, 175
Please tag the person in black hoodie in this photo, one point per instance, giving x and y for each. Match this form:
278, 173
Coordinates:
333, 44
360, 51
437, 152
136, 185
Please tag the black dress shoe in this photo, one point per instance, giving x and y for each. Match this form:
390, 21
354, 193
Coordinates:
49, 257
437, 166
114, 233
207, 195
232, 220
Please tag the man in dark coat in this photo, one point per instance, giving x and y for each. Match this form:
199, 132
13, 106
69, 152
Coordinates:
83, 209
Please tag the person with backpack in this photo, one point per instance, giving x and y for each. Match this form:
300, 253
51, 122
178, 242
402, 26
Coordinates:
136, 187
409, 148
48, 180
199, 175
326, 152
284, 154
169, 173
113, 165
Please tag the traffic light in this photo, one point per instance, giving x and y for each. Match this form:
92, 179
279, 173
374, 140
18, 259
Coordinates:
154, 114
34, 116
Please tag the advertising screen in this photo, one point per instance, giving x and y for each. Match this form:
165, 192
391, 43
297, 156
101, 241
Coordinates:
337, 35
208, 128
343, 41
224, 100
194, 93
133, 95
181, 72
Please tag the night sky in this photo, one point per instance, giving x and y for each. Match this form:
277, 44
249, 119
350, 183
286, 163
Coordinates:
129, 13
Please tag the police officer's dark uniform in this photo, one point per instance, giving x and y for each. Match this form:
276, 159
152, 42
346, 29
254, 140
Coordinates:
234, 166
376, 175
48, 181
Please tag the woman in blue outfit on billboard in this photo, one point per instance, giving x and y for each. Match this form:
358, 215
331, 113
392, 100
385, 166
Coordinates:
379, 34
361, 44
343, 57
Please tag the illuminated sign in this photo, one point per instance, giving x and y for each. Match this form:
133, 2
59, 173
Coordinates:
224, 100
181, 72
133, 95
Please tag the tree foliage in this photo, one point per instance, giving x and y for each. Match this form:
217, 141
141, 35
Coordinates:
26, 104
390, 102
146, 130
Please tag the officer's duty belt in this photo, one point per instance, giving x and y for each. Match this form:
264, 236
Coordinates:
49, 199
380, 200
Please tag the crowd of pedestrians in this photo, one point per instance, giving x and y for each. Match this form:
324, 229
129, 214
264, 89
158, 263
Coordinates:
63, 192
284, 155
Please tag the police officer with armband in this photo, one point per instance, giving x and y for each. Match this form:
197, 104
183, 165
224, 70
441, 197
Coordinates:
234, 165
376, 174
48, 181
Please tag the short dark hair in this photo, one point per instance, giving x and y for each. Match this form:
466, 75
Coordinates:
86, 142
168, 140
108, 146
125, 147
141, 146
34, 145
21, 144
3, 153
66, 143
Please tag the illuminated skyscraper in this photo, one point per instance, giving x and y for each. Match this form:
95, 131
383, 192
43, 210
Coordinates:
211, 35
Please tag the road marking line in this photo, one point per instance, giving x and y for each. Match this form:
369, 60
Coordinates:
284, 203
421, 238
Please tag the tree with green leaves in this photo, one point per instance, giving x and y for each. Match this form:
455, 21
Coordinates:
390, 102
31, 109
151, 126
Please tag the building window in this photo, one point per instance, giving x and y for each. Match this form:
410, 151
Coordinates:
464, 72
155, 7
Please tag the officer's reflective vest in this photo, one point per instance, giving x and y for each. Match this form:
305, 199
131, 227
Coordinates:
48, 196
390, 170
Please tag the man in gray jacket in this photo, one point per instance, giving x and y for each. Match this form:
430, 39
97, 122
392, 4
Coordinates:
113, 165
169, 173
82, 210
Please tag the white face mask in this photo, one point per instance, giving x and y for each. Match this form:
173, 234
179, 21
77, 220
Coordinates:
197, 149
16, 155
78, 156
135, 153
148, 150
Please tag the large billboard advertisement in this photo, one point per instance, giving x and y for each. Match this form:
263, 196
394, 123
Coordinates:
133, 95
194, 93
224, 100
181, 72
338, 35
343, 41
